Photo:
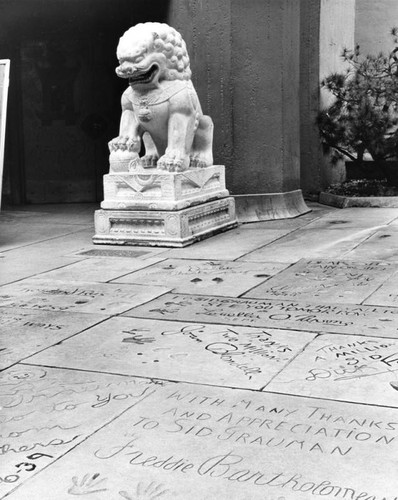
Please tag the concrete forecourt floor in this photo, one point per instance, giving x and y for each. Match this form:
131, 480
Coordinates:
261, 363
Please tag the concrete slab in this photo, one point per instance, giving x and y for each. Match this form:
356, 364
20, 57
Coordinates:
394, 223
37, 257
21, 233
311, 243
387, 294
318, 209
46, 413
338, 281
270, 313
191, 352
28, 261
27, 264
309, 445
364, 370
214, 443
205, 276
96, 269
78, 296
228, 246
24, 333
64, 213
382, 245
60, 246
11, 216
355, 218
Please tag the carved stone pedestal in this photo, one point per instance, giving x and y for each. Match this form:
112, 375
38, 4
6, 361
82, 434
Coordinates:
153, 189
173, 209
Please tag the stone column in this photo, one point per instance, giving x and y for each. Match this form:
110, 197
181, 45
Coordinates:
250, 52
265, 81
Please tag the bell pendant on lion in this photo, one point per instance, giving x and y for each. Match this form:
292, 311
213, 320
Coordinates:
160, 107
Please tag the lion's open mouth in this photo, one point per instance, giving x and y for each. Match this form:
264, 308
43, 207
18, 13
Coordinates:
145, 77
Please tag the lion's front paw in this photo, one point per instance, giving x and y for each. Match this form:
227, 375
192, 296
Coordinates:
173, 161
198, 161
149, 161
124, 143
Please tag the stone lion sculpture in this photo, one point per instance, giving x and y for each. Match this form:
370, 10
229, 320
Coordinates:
160, 107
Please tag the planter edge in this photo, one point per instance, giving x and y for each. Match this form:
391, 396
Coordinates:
335, 200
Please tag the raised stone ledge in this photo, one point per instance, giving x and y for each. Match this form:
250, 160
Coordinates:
270, 206
338, 201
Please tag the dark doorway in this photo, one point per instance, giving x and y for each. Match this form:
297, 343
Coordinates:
64, 96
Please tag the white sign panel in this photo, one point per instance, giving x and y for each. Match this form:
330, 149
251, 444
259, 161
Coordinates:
4, 79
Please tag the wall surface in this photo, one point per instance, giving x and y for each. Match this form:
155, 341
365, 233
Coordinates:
374, 20
256, 67
64, 94
310, 152
327, 26
336, 32
334, 37
245, 62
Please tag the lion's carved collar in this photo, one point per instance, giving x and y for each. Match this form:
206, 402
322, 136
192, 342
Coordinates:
158, 96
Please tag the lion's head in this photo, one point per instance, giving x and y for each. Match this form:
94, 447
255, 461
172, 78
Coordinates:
151, 52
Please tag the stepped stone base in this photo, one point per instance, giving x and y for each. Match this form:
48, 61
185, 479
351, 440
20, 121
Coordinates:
176, 228
153, 189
